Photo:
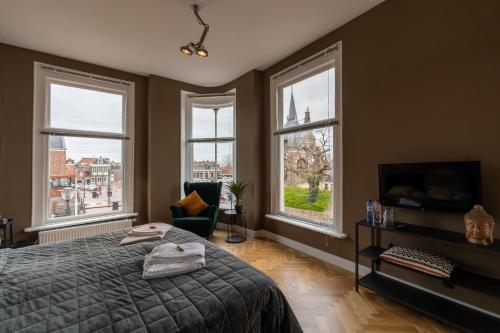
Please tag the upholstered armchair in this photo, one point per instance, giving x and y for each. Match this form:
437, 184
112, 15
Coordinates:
204, 224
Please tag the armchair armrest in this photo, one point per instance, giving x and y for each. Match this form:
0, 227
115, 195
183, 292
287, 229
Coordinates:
177, 211
213, 212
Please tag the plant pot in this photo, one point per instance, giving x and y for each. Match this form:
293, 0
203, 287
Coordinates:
238, 207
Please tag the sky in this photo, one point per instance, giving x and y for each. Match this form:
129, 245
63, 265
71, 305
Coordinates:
90, 110
90, 147
204, 127
316, 92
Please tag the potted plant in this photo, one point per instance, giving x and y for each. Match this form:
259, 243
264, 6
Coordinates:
237, 188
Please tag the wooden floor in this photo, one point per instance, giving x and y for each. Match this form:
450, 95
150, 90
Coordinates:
322, 296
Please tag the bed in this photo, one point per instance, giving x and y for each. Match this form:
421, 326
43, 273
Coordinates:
94, 285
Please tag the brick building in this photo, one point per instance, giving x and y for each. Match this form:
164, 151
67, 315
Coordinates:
57, 156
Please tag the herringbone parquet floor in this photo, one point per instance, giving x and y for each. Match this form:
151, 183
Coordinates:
322, 296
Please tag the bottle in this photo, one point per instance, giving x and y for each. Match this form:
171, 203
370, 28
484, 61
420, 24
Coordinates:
369, 212
388, 218
377, 212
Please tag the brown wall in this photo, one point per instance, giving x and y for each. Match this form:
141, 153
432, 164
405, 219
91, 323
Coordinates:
164, 128
16, 129
421, 82
249, 141
165, 145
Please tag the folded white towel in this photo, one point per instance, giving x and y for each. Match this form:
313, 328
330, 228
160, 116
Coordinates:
156, 269
141, 234
178, 251
172, 259
150, 229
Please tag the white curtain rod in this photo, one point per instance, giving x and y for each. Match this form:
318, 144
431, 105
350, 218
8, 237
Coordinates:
211, 95
84, 75
301, 64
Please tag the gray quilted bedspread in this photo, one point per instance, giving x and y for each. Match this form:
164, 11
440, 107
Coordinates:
95, 285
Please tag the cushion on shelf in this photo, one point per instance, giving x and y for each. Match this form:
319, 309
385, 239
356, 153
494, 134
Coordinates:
419, 260
193, 204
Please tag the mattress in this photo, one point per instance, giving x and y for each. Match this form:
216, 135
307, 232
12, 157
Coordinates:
94, 285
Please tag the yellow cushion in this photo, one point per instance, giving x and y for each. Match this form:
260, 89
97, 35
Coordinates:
193, 204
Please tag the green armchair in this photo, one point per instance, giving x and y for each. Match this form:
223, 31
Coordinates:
204, 224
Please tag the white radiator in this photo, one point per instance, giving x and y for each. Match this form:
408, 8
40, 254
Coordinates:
57, 235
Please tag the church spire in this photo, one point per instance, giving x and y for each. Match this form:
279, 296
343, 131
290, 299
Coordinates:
307, 116
292, 113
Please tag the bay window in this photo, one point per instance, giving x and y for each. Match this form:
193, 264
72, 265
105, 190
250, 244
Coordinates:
209, 142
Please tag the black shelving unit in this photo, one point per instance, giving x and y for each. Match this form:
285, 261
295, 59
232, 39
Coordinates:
433, 305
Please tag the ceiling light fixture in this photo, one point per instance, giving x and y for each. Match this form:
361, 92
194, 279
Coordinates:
197, 48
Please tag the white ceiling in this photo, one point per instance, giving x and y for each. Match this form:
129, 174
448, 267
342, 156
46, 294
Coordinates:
144, 36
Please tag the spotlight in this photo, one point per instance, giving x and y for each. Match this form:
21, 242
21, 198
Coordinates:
186, 50
198, 47
202, 52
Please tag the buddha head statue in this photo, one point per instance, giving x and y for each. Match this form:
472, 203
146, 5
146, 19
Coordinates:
479, 226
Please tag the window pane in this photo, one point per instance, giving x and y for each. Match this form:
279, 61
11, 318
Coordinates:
309, 100
85, 176
307, 175
203, 123
225, 122
85, 109
225, 170
203, 168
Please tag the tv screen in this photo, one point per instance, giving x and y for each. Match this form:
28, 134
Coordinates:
453, 187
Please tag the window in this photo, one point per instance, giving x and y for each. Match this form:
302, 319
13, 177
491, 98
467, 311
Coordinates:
306, 141
209, 149
83, 146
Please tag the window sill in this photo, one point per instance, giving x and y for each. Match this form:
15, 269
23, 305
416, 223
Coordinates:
316, 228
64, 224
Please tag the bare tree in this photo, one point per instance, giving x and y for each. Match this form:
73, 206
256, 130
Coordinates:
308, 160
227, 161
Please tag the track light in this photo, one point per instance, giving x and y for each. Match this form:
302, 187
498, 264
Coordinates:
202, 52
186, 50
199, 48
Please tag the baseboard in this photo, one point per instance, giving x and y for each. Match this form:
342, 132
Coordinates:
250, 233
314, 252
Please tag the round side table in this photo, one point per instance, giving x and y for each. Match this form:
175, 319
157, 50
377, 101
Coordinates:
232, 236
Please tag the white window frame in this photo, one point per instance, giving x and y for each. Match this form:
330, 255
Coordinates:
188, 101
44, 75
324, 60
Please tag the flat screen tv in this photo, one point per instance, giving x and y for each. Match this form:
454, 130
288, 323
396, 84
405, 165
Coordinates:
453, 187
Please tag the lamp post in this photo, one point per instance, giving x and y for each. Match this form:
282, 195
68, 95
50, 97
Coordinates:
77, 200
67, 194
84, 180
109, 188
